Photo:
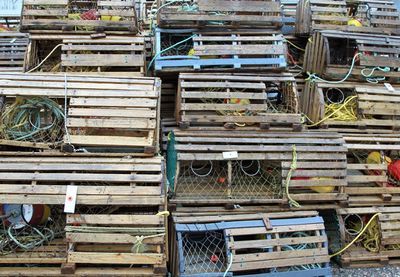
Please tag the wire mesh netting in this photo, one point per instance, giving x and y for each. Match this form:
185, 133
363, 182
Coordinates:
210, 179
33, 119
204, 252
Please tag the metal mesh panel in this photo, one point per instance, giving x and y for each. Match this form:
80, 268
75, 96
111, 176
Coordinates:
210, 179
204, 252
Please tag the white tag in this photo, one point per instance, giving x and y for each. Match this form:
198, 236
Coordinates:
230, 155
70, 199
389, 87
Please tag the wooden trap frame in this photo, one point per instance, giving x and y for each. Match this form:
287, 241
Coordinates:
329, 54
104, 114
72, 16
230, 168
377, 246
13, 48
112, 55
289, 16
218, 51
265, 14
118, 201
264, 244
235, 100
352, 107
372, 164
350, 16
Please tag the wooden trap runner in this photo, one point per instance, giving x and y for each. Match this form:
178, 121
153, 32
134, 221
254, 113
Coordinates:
329, 54
232, 167
351, 16
265, 14
234, 101
13, 47
105, 114
377, 246
372, 169
71, 16
115, 55
265, 244
352, 107
218, 51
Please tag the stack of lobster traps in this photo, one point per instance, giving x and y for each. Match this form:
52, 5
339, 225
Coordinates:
82, 190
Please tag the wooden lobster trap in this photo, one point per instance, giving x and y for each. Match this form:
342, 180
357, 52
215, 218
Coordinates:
377, 246
241, 168
372, 169
218, 51
264, 14
352, 107
289, 16
112, 55
234, 100
13, 48
264, 244
118, 200
350, 16
375, 58
73, 16
104, 114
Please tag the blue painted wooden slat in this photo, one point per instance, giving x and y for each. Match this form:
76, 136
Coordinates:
295, 221
214, 274
326, 272
160, 64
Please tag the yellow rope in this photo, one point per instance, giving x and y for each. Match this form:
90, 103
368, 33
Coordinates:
293, 167
335, 111
295, 46
356, 238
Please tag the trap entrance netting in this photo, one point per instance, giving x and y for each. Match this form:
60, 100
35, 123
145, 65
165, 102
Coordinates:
210, 179
204, 252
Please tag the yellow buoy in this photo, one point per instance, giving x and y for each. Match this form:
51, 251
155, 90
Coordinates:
354, 22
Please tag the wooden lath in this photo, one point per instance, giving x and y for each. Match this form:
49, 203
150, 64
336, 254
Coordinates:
13, 48
112, 112
102, 181
233, 14
46, 16
376, 107
370, 16
329, 55
320, 174
211, 100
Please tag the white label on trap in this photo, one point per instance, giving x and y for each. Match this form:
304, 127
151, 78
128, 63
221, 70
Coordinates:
389, 87
230, 155
70, 199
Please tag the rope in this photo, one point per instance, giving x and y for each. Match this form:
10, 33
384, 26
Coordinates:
136, 248
337, 110
41, 63
33, 242
312, 76
293, 167
24, 120
229, 265
356, 238
374, 80
294, 45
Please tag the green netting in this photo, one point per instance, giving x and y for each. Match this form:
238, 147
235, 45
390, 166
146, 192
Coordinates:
171, 160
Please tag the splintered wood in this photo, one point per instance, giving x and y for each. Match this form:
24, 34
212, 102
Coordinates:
351, 16
242, 239
329, 54
121, 114
230, 167
230, 14
49, 16
234, 100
